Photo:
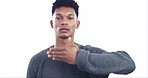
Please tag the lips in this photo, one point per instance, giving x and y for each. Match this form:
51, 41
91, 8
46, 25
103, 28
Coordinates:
64, 30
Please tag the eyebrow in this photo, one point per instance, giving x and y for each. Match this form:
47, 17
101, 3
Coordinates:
62, 15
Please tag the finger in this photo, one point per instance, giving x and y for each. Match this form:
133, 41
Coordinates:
70, 42
58, 59
57, 49
57, 56
56, 52
52, 56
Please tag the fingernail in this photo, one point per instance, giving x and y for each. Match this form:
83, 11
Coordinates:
47, 52
53, 59
49, 56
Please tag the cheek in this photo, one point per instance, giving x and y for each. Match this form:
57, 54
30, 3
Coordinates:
56, 23
56, 26
73, 28
73, 24
56, 29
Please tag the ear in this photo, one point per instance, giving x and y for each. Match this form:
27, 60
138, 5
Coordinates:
78, 24
51, 23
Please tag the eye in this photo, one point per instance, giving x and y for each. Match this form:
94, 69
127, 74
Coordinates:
70, 18
58, 18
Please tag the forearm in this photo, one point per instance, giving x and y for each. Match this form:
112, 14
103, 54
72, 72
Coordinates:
105, 63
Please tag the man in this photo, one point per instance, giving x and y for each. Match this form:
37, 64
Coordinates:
67, 59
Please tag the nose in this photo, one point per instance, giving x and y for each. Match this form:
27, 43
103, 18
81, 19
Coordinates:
64, 21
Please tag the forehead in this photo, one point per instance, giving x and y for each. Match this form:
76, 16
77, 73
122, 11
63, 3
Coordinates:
64, 11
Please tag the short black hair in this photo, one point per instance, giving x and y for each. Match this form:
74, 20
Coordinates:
66, 3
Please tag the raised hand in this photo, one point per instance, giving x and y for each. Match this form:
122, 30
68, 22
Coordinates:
67, 53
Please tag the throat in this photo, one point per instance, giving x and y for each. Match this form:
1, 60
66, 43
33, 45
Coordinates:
61, 42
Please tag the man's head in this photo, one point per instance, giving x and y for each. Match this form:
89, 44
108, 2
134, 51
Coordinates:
65, 18
66, 3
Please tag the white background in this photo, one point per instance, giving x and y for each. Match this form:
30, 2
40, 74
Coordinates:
109, 24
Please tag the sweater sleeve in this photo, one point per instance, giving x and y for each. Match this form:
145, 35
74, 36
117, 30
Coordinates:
99, 62
31, 71
35, 64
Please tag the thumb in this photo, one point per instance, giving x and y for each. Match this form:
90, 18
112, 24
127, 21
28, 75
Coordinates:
70, 42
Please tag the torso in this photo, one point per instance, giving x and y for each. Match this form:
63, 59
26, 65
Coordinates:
49, 68
58, 69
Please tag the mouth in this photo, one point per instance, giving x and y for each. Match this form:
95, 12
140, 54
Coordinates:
64, 30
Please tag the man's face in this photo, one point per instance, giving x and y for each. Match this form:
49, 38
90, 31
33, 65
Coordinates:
64, 22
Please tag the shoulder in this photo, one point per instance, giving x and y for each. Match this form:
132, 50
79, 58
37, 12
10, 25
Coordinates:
35, 63
90, 48
40, 56
84, 46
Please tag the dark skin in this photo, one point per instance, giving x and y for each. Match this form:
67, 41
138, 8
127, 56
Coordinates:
64, 23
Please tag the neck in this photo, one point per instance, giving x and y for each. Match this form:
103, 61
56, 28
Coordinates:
60, 42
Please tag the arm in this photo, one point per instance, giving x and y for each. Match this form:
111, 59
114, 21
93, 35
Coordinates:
35, 64
100, 62
31, 72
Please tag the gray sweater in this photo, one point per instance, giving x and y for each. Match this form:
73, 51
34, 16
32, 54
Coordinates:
92, 62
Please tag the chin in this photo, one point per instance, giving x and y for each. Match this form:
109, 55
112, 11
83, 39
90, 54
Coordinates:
64, 37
